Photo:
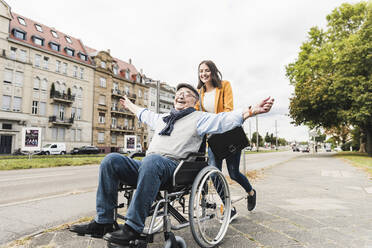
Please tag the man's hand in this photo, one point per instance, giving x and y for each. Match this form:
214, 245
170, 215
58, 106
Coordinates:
127, 104
264, 106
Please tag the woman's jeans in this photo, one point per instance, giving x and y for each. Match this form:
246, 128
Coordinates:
232, 163
148, 175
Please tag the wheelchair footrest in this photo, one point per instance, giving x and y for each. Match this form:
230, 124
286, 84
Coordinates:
138, 243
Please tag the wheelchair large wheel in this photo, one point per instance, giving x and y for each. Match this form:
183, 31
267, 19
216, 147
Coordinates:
209, 207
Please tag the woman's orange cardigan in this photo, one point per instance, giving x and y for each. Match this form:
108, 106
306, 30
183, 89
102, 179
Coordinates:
223, 101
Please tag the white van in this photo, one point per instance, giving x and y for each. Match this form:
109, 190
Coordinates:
54, 148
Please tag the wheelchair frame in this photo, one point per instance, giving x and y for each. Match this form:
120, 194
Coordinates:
193, 176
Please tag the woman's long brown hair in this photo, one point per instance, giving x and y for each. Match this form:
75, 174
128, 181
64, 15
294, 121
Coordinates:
215, 74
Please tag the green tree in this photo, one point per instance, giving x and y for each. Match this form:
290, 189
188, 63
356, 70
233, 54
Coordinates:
332, 75
254, 139
267, 138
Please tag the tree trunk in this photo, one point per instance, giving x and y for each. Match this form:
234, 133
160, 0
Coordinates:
369, 140
362, 141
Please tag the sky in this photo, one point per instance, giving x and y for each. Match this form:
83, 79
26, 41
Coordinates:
250, 41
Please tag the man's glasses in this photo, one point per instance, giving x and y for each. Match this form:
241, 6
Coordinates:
185, 94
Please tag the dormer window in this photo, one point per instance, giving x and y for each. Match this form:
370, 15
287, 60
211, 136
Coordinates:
38, 41
138, 78
68, 39
38, 28
54, 46
54, 33
103, 64
21, 21
127, 74
19, 34
69, 51
82, 56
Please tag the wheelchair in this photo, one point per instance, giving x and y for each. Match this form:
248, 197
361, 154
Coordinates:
198, 197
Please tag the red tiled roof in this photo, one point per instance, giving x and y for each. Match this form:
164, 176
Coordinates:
30, 30
123, 66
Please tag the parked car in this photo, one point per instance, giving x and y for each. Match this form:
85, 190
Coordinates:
248, 148
85, 150
295, 148
54, 148
305, 149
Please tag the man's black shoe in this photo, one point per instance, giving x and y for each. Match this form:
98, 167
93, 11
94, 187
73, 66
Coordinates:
122, 236
93, 229
251, 201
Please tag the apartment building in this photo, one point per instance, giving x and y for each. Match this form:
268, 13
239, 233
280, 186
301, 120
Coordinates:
47, 81
160, 100
113, 79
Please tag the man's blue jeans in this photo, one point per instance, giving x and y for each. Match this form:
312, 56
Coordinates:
148, 175
232, 163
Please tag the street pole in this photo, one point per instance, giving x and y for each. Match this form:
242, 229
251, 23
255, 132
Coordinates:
276, 136
257, 131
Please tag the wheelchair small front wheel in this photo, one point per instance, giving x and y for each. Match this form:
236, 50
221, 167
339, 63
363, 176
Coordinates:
209, 207
180, 242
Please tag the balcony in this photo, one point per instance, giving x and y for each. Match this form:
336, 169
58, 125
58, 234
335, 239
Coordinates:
166, 99
62, 97
121, 129
56, 121
121, 111
119, 93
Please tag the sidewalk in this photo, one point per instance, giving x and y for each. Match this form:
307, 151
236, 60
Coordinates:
310, 201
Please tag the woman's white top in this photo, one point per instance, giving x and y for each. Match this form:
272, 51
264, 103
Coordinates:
208, 101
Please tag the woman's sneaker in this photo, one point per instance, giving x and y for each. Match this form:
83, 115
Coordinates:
251, 201
233, 214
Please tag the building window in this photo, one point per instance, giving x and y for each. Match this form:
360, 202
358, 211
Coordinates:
126, 88
34, 107
62, 112
114, 122
19, 34
13, 52
17, 103
64, 68
23, 55
116, 70
45, 66
38, 41
54, 33
126, 123
61, 134
103, 82
78, 134
37, 60
54, 46
78, 114
82, 56
58, 66
81, 73
103, 64
7, 126
102, 100
21, 21
152, 104
69, 51
115, 85
101, 137
42, 108
140, 93
75, 71
138, 78
101, 118
127, 74
8, 76
18, 79
36, 83
38, 28
44, 85
113, 139
68, 39
6, 103
54, 133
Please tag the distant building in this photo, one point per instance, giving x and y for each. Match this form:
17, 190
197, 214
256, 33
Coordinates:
46, 80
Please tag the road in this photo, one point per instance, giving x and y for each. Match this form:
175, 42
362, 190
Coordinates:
35, 199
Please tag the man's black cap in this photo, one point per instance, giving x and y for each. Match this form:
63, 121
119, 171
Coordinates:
190, 87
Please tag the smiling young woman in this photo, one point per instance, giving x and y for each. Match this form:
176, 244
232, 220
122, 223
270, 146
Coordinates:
215, 97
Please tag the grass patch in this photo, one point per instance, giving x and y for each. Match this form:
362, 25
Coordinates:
15, 164
361, 160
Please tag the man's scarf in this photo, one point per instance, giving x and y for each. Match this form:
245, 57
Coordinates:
172, 118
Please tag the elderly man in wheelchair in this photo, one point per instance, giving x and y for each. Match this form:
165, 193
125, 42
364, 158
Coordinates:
170, 165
